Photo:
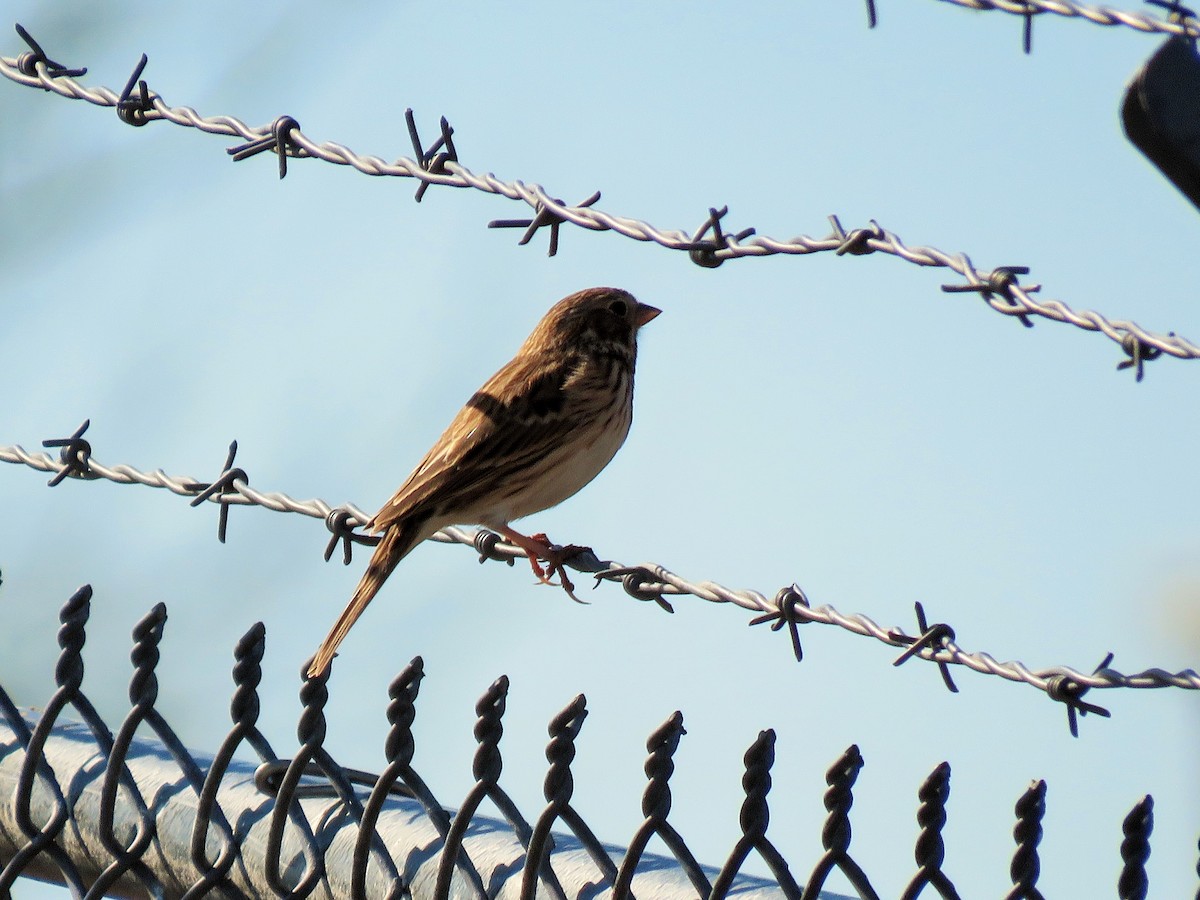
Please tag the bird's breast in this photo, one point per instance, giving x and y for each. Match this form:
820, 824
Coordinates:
589, 446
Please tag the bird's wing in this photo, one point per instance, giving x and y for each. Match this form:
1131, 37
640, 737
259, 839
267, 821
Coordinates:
509, 423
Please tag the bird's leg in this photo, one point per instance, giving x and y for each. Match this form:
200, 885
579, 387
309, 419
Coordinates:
532, 547
538, 546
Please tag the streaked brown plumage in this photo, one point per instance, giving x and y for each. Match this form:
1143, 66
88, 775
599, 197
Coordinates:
536, 432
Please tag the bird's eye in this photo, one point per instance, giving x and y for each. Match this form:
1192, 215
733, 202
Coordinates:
619, 308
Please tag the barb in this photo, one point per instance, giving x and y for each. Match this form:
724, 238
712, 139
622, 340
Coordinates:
29, 61
939, 635
435, 158
131, 110
438, 166
652, 582
278, 138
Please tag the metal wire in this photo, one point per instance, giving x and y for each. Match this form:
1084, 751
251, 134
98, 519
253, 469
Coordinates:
1184, 23
709, 245
789, 607
309, 827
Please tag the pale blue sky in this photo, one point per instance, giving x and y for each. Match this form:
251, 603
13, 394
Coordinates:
834, 421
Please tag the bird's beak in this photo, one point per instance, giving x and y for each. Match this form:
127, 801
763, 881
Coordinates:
644, 314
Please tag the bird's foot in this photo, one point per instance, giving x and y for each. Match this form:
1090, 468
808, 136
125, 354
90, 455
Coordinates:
538, 547
556, 557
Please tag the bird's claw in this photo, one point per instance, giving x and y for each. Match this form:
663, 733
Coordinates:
555, 557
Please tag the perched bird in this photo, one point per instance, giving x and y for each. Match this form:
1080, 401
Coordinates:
539, 430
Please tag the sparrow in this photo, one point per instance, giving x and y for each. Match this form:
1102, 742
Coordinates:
537, 431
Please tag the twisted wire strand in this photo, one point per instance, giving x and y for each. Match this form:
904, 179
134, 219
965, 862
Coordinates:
1186, 26
657, 582
1011, 300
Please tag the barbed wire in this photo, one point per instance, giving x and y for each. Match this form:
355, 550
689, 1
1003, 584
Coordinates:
1183, 21
709, 246
789, 608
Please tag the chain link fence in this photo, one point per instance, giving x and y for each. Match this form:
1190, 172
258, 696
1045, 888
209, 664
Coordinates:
112, 813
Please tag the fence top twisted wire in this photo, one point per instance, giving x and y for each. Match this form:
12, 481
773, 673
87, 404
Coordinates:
789, 608
709, 245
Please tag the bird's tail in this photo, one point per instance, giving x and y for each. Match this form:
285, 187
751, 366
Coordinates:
397, 541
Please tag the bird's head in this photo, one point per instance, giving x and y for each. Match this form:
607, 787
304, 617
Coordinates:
603, 319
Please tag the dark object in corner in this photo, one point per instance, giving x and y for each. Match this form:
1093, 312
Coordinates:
1161, 114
